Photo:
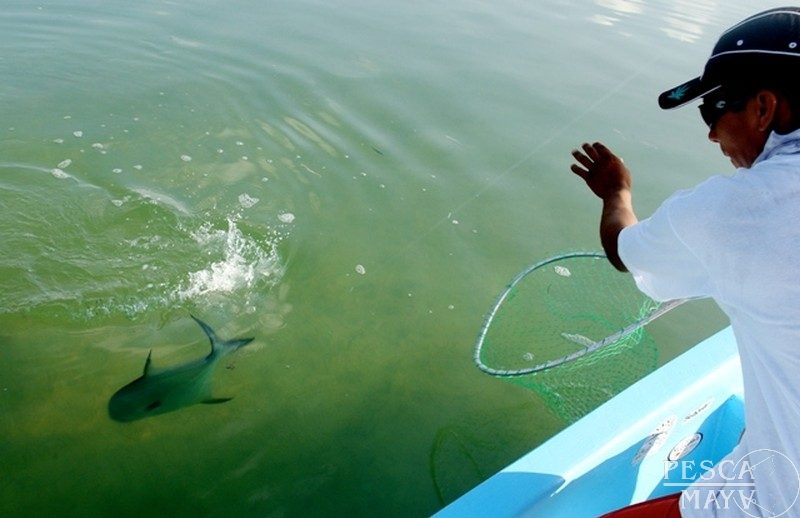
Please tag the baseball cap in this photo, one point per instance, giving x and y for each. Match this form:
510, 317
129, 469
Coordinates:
766, 43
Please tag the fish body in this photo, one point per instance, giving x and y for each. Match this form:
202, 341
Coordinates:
578, 339
158, 391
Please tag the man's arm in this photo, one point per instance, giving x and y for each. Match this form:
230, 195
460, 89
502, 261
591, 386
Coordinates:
609, 179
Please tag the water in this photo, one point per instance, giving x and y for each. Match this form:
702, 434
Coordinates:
350, 182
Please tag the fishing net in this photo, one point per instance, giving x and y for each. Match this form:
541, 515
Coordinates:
570, 328
574, 389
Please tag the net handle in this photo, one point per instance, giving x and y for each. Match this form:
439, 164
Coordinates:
663, 308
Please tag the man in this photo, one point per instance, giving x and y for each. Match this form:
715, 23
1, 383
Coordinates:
735, 239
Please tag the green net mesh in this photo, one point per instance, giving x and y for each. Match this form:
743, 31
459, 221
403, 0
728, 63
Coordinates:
559, 309
574, 389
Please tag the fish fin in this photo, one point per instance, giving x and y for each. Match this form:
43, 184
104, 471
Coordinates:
220, 346
212, 336
235, 344
215, 401
147, 363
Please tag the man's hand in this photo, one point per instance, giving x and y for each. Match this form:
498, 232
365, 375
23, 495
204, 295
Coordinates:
610, 180
603, 171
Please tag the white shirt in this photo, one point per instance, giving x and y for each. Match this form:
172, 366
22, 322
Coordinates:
737, 239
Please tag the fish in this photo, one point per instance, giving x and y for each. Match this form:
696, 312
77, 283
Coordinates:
158, 391
578, 339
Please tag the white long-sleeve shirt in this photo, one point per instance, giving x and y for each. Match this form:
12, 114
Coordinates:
737, 239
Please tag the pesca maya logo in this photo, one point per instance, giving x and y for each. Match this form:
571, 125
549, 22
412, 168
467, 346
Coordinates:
731, 484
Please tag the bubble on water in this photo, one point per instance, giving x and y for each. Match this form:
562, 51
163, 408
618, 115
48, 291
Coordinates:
98, 145
64, 163
239, 143
78, 133
117, 203
528, 357
116, 170
138, 167
286, 217
247, 201
186, 158
360, 269
59, 173
58, 140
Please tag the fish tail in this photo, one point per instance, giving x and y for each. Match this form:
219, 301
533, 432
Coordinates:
218, 346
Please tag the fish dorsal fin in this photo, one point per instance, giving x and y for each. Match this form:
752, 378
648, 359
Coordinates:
147, 363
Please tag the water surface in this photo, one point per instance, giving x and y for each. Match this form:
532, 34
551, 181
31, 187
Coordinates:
350, 182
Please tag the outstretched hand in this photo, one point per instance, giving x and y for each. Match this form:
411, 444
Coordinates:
603, 171
609, 179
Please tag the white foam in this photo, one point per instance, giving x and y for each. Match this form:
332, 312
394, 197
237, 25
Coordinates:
78, 134
59, 173
159, 197
186, 158
244, 263
360, 269
247, 201
286, 217
64, 163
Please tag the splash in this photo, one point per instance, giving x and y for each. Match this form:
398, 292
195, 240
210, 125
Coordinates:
244, 263
86, 253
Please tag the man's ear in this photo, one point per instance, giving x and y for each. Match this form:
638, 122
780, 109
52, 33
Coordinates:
767, 109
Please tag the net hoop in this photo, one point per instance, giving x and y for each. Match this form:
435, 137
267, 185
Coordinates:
660, 310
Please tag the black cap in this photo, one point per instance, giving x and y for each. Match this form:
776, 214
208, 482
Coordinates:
765, 43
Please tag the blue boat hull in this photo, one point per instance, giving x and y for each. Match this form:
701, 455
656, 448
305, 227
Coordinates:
652, 439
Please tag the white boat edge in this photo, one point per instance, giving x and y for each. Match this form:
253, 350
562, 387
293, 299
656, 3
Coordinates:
621, 452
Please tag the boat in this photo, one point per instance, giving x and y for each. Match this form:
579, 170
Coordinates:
652, 439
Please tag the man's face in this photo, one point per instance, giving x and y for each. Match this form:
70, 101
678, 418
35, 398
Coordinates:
739, 134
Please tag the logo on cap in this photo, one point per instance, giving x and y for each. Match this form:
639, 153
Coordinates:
679, 92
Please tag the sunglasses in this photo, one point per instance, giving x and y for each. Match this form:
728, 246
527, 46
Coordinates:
715, 107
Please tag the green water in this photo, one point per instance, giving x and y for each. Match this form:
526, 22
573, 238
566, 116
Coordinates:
350, 182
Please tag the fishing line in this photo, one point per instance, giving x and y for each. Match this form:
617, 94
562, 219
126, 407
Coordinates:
542, 145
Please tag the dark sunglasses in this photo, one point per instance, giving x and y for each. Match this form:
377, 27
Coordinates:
713, 108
